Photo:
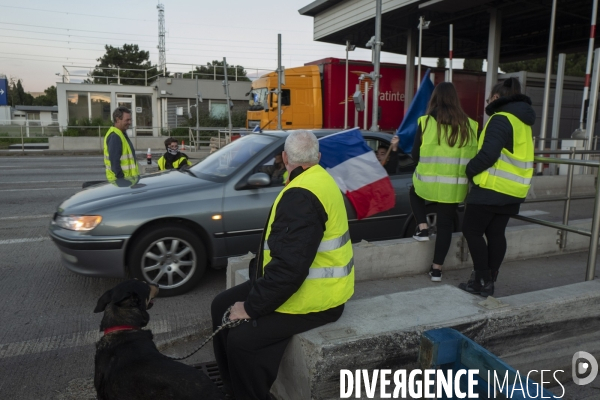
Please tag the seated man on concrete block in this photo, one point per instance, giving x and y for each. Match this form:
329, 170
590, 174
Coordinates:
301, 278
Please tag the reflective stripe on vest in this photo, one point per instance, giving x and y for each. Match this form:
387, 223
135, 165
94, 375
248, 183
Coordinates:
511, 174
444, 160
326, 245
440, 174
330, 280
127, 159
331, 272
442, 179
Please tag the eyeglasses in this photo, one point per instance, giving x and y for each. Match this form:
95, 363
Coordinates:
174, 146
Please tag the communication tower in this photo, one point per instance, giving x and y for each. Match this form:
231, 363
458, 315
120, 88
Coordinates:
162, 56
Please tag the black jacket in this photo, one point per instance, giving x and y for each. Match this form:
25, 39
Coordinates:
498, 136
296, 233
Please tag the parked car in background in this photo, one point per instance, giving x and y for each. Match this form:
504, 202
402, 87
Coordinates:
170, 226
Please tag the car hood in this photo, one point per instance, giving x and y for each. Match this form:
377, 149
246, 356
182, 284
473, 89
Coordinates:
152, 186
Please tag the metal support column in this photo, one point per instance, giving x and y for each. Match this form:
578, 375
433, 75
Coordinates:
409, 81
451, 47
549, 59
491, 75
588, 65
376, 57
593, 103
558, 93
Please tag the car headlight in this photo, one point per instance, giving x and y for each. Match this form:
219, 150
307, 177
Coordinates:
78, 222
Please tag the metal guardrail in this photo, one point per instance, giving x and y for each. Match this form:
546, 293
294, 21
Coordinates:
563, 228
195, 139
189, 72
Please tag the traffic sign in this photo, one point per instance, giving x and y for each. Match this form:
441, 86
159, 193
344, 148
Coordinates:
3, 92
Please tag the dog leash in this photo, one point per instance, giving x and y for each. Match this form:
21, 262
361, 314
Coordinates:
225, 323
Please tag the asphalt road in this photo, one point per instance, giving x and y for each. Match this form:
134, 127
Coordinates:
47, 325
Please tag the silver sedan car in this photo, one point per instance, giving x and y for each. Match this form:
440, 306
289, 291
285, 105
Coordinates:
168, 227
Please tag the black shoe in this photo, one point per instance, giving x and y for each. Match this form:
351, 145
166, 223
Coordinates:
435, 274
478, 286
422, 235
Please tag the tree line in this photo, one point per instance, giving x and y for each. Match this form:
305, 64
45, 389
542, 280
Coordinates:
17, 96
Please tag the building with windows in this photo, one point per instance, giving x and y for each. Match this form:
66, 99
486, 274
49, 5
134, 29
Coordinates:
154, 107
35, 115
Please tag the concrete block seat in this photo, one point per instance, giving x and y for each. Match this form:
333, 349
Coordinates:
385, 331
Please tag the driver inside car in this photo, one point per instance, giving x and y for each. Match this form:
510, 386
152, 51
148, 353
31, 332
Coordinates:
276, 171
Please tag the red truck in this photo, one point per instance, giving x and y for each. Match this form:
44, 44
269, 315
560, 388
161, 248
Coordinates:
313, 95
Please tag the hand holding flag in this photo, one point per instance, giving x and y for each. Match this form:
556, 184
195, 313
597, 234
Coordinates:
354, 167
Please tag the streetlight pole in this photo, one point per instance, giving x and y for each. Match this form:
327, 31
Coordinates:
349, 47
422, 25
376, 57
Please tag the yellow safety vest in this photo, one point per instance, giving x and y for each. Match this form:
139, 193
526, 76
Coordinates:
128, 163
330, 281
511, 173
440, 174
162, 162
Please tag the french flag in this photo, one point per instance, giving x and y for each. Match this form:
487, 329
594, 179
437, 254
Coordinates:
357, 172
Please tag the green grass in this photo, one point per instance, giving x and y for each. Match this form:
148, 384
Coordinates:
6, 141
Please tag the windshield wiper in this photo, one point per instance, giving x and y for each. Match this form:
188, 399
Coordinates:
188, 171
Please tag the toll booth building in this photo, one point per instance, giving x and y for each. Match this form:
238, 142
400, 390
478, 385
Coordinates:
155, 107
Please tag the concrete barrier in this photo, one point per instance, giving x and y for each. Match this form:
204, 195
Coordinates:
405, 257
555, 186
384, 332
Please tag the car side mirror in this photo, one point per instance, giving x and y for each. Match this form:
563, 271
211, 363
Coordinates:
274, 100
259, 179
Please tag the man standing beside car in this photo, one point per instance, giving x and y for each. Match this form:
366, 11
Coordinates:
119, 153
301, 278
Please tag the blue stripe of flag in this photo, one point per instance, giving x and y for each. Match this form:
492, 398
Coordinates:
340, 147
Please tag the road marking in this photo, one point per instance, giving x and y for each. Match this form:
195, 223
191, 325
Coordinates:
54, 188
57, 342
531, 213
28, 217
30, 240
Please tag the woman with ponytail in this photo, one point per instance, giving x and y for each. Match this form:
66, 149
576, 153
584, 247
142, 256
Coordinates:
445, 142
501, 173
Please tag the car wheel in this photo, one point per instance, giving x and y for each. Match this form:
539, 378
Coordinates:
173, 257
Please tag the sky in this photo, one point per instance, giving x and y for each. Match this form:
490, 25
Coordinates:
38, 38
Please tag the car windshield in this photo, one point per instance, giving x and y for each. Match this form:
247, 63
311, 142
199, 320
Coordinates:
227, 160
258, 99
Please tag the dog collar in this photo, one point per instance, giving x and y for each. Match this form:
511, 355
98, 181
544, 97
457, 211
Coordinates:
119, 328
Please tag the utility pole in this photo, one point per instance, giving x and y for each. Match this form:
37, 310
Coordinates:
279, 78
229, 103
162, 56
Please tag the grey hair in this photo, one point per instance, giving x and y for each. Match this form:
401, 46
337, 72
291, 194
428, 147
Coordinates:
119, 111
302, 147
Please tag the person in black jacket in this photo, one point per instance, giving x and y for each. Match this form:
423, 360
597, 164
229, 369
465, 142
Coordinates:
249, 355
173, 158
488, 211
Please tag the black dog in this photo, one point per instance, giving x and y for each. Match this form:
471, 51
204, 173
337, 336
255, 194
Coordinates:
128, 364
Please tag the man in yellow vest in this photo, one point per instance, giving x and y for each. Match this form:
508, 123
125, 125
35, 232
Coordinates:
119, 153
301, 278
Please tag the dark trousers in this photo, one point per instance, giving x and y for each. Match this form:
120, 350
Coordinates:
249, 354
490, 221
446, 213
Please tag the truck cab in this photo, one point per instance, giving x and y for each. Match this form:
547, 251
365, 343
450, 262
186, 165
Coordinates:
301, 100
